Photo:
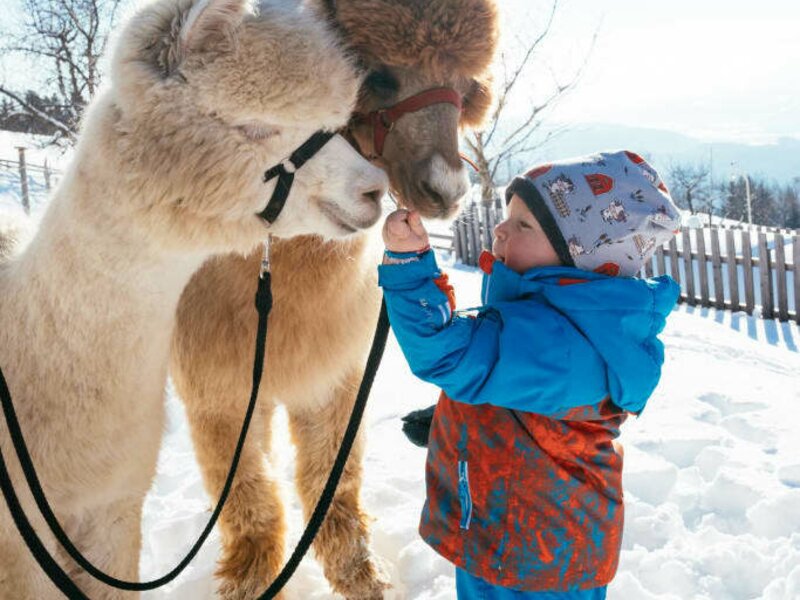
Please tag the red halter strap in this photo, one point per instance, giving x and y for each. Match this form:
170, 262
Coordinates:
383, 119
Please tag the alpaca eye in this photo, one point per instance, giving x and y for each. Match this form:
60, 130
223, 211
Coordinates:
382, 83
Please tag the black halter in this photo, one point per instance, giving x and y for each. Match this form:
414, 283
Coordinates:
285, 171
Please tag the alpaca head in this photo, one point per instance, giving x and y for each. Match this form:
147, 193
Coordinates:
206, 95
407, 47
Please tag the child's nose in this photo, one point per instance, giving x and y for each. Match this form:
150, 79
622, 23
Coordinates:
499, 231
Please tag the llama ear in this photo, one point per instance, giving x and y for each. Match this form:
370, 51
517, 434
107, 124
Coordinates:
211, 22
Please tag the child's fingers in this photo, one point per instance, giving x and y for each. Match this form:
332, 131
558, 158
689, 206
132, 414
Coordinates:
415, 223
398, 228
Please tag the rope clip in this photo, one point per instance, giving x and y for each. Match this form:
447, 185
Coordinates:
265, 266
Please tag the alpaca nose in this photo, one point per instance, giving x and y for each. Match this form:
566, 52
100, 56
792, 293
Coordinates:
372, 185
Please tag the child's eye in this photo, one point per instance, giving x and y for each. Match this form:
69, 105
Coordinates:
524, 225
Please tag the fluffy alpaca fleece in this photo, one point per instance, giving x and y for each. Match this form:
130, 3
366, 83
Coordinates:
204, 97
326, 303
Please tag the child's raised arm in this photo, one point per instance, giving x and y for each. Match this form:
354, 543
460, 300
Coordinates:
498, 358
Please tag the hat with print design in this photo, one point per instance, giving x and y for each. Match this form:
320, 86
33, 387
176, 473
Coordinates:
606, 212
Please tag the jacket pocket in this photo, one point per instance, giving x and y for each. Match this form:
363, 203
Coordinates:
464, 496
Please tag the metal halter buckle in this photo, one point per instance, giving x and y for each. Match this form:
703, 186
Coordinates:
265, 266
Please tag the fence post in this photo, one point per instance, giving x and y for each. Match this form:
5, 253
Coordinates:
733, 269
702, 265
661, 265
673, 260
688, 266
491, 223
463, 242
475, 226
780, 278
486, 239
648, 267
796, 269
716, 267
767, 308
747, 268
23, 177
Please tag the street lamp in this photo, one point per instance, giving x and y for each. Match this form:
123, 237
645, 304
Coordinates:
747, 193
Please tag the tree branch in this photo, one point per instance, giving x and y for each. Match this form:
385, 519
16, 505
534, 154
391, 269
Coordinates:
36, 113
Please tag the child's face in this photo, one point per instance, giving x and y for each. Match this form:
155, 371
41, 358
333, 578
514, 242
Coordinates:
519, 241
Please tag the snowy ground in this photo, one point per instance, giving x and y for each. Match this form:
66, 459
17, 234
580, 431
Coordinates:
712, 475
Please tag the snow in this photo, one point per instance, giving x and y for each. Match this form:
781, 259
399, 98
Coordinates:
712, 475
37, 154
712, 468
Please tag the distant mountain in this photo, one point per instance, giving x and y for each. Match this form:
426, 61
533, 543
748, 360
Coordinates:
779, 161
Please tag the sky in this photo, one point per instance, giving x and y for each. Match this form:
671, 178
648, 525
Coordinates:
720, 70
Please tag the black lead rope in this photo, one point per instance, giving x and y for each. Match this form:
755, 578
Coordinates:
285, 171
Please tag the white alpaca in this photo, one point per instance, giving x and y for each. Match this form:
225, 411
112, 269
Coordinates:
205, 96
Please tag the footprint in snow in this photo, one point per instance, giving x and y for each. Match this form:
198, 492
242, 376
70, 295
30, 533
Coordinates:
728, 406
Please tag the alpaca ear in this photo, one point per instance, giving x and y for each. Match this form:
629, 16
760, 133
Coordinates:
211, 22
476, 103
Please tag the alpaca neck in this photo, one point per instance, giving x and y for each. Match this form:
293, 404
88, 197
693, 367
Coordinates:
99, 297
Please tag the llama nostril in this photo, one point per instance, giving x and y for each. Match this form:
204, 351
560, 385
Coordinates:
431, 193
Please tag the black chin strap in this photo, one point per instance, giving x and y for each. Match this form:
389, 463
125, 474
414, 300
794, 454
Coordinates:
285, 171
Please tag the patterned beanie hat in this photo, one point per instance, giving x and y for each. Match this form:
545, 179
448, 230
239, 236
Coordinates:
606, 212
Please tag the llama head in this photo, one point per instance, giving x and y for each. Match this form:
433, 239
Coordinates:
409, 46
206, 95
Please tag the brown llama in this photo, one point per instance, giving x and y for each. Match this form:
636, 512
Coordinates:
326, 299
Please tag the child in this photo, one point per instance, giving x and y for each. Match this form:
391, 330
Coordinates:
524, 490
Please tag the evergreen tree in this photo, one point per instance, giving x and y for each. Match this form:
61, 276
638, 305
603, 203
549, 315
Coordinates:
765, 209
789, 207
735, 206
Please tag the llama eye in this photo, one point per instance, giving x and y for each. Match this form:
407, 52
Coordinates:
382, 83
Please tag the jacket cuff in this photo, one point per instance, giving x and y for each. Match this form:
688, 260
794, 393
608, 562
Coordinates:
410, 275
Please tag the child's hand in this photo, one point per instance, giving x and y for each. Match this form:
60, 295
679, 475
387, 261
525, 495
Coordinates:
403, 231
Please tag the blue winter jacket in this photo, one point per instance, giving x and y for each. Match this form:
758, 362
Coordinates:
523, 480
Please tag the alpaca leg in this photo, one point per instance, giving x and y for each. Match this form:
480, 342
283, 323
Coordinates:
342, 544
252, 523
110, 537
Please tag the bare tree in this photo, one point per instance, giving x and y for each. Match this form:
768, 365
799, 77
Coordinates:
66, 39
690, 185
504, 139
